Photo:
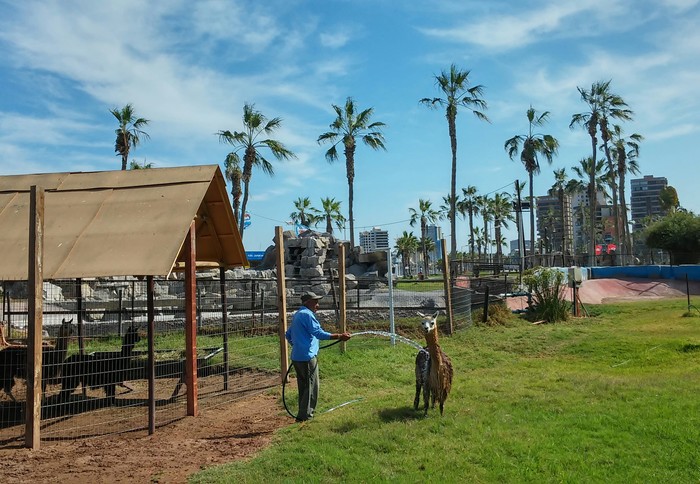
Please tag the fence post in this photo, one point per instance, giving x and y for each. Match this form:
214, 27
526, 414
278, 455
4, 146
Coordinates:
35, 317
282, 304
447, 285
151, 365
390, 280
224, 322
190, 323
341, 296
120, 313
486, 305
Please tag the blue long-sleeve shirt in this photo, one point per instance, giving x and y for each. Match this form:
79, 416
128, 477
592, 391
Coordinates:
304, 333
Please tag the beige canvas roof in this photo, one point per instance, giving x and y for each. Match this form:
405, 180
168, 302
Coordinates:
120, 223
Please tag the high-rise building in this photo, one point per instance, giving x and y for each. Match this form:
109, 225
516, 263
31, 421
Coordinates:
579, 209
556, 229
434, 233
644, 201
375, 239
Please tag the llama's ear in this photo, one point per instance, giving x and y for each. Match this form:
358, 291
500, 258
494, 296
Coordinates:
436, 314
421, 314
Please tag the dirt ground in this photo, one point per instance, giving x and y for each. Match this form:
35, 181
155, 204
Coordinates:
228, 432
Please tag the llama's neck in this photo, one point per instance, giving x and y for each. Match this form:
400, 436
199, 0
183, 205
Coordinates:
434, 349
62, 341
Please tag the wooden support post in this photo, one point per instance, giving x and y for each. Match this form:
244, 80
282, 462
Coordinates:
190, 322
35, 313
150, 309
447, 285
485, 316
343, 320
224, 322
282, 303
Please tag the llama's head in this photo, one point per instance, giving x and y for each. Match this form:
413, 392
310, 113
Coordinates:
66, 328
131, 337
429, 323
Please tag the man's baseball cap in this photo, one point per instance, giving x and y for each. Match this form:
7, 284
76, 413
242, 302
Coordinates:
307, 296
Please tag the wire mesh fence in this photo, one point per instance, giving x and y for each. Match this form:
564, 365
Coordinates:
95, 355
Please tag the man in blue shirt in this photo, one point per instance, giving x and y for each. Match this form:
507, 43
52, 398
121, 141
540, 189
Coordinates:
303, 334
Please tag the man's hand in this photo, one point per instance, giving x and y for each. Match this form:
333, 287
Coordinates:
344, 336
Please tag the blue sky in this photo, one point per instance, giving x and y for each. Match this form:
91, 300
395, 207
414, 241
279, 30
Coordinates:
190, 66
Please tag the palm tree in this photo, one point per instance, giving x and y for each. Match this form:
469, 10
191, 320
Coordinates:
501, 210
331, 214
467, 205
346, 128
454, 84
304, 213
592, 176
429, 245
530, 146
625, 152
479, 239
129, 132
590, 120
255, 125
407, 245
234, 174
612, 106
425, 214
484, 204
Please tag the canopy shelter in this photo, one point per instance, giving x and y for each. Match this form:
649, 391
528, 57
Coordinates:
120, 223
116, 223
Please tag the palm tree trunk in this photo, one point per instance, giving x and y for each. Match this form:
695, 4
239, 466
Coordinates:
451, 122
350, 169
244, 204
424, 233
593, 200
532, 220
627, 250
613, 188
471, 232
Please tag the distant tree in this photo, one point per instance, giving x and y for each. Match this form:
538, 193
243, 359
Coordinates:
531, 146
612, 107
467, 205
425, 213
585, 171
135, 165
234, 174
558, 190
345, 129
304, 214
668, 199
679, 234
331, 214
407, 245
502, 212
454, 85
484, 203
601, 104
129, 133
255, 125
625, 152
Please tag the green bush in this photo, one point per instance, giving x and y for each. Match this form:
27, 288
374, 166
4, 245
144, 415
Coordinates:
548, 294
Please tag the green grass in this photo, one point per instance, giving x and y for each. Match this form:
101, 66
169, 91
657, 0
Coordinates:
420, 286
610, 398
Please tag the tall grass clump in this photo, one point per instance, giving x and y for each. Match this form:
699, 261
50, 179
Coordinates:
548, 294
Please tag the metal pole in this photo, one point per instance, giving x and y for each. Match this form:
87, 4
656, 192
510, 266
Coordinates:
389, 277
224, 322
120, 313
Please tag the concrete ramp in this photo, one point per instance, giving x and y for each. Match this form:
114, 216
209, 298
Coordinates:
606, 291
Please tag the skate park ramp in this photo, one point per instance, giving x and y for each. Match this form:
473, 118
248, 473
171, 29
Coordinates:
616, 290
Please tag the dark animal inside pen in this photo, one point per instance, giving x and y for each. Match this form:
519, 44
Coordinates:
13, 361
101, 369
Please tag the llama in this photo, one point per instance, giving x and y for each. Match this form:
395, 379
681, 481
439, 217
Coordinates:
13, 360
433, 367
105, 369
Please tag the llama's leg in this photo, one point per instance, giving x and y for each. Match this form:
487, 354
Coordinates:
426, 397
442, 403
416, 400
110, 391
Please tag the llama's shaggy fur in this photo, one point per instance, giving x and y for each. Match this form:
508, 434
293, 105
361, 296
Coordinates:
105, 369
13, 360
437, 380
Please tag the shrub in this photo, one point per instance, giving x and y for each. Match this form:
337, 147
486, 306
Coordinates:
548, 294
